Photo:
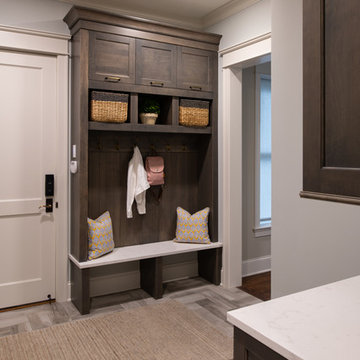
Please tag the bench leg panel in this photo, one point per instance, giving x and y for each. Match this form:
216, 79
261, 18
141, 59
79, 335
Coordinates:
80, 288
209, 265
151, 276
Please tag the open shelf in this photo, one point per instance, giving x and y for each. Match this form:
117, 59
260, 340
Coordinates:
147, 128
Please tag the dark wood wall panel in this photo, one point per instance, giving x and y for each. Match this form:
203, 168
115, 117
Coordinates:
79, 138
206, 194
342, 83
109, 156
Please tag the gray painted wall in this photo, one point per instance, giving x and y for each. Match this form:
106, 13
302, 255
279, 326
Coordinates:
247, 24
313, 242
252, 247
43, 15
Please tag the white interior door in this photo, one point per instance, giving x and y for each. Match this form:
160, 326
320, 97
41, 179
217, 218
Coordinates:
27, 153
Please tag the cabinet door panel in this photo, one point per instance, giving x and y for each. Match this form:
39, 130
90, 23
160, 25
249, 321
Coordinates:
195, 69
155, 63
330, 106
112, 58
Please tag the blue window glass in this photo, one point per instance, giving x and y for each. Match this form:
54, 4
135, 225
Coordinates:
265, 151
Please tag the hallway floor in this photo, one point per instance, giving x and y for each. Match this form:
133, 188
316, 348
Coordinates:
207, 300
258, 285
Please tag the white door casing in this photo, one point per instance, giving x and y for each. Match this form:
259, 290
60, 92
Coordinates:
234, 59
42, 51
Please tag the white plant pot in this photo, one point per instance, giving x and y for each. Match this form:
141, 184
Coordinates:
148, 118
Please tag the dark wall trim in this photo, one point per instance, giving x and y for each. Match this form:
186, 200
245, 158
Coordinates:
330, 197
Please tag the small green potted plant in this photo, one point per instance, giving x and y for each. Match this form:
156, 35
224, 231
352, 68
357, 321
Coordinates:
149, 110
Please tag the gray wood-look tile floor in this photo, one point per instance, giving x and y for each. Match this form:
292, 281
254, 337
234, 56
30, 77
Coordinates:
210, 302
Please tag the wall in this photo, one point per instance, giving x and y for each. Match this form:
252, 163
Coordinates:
253, 247
313, 242
243, 26
43, 15
247, 24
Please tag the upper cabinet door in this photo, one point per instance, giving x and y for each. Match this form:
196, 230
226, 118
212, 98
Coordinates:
331, 106
112, 58
155, 63
195, 69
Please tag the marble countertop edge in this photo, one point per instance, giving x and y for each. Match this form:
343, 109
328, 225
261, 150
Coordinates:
270, 343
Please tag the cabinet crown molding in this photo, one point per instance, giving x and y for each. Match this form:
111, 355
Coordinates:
87, 16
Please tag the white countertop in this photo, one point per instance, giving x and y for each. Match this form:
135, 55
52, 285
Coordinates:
317, 324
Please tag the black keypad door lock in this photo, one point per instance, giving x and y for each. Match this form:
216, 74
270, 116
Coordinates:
49, 185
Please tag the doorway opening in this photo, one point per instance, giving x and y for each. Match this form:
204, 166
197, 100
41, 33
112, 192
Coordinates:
256, 185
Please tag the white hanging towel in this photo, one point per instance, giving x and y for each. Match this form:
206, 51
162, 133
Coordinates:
137, 184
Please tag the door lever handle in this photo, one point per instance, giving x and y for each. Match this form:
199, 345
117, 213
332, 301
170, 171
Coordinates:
48, 206
45, 206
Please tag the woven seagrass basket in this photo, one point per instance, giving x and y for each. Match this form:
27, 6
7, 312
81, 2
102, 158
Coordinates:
109, 107
194, 113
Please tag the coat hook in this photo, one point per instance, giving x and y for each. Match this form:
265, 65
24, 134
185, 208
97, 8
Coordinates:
168, 147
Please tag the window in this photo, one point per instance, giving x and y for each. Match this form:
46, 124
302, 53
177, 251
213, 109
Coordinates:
265, 151
263, 155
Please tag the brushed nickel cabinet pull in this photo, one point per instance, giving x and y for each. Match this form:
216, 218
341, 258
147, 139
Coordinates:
197, 88
156, 83
112, 78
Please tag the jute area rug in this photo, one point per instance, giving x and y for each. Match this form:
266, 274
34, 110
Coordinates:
164, 331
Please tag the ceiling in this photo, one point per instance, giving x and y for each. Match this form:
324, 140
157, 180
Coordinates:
197, 14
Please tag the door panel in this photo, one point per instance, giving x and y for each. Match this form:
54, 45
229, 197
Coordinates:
27, 145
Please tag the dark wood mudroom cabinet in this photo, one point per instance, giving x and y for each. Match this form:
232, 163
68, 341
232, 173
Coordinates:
140, 58
331, 65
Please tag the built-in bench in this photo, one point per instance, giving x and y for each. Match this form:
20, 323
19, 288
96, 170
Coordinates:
151, 274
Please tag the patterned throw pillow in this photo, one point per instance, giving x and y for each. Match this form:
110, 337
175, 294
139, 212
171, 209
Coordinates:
100, 236
192, 228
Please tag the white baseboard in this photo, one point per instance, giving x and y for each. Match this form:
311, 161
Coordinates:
69, 291
256, 265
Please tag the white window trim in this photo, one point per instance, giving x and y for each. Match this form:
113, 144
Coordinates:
259, 230
262, 231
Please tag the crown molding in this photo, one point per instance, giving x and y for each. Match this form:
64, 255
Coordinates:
15, 38
226, 11
193, 24
27, 31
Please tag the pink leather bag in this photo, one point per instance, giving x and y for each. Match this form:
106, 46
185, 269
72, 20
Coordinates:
154, 166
